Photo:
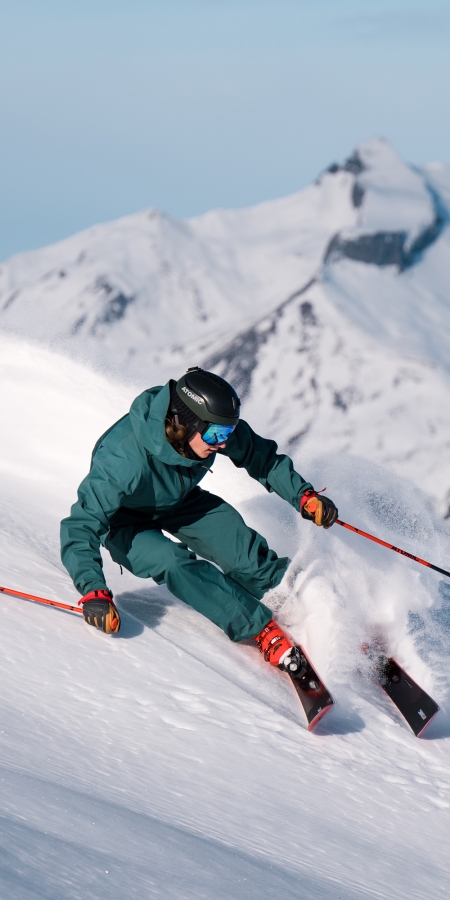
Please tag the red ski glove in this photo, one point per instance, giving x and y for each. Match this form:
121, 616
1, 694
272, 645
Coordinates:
320, 510
99, 610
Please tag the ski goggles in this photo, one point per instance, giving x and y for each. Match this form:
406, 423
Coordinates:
217, 434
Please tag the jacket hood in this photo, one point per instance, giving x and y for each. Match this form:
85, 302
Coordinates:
148, 414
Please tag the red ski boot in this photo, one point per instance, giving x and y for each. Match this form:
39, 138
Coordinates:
279, 650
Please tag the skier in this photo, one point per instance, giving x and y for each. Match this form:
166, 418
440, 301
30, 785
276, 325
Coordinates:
143, 480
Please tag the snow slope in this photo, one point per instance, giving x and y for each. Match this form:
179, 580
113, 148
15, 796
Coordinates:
168, 762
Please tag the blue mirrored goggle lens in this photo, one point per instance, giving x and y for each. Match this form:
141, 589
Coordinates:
217, 434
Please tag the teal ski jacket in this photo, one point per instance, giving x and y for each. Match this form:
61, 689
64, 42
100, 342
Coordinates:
136, 475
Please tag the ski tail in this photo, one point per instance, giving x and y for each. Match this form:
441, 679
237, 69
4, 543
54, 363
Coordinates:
313, 695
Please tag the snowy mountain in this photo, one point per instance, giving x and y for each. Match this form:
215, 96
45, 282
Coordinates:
358, 358
131, 292
328, 309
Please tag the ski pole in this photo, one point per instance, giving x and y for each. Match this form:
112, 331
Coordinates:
5, 590
391, 547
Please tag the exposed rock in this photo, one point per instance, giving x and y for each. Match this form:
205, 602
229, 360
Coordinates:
237, 361
11, 299
78, 325
114, 308
113, 311
357, 195
353, 164
387, 248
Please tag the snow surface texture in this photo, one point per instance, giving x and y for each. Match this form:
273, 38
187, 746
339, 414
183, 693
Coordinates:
169, 762
328, 309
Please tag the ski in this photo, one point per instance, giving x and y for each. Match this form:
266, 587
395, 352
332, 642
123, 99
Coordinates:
414, 704
314, 696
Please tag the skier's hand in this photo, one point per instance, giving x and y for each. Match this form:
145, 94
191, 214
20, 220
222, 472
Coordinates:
99, 611
320, 510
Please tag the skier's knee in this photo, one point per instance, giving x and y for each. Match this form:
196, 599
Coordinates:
179, 556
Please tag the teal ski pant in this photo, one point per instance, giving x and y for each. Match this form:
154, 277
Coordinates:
230, 595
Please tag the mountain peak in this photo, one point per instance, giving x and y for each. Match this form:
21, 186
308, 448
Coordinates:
133, 292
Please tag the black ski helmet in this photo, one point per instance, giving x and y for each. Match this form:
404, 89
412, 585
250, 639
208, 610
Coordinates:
209, 397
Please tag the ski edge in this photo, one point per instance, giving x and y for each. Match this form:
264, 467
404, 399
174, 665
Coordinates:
320, 715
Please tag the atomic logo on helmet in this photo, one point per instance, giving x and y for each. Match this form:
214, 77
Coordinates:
192, 396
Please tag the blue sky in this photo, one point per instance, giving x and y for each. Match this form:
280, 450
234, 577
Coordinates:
108, 107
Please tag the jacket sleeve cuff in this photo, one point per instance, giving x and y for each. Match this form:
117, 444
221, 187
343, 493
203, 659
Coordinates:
86, 589
303, 498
